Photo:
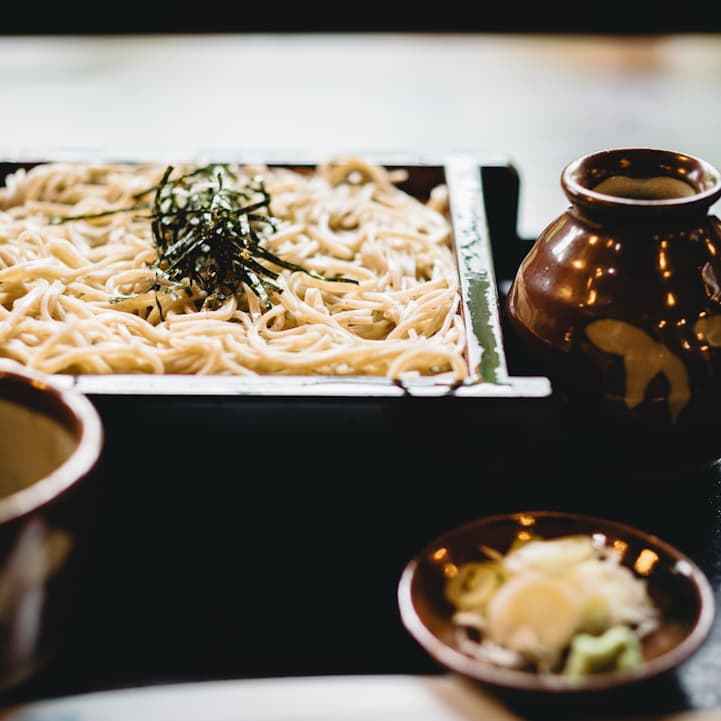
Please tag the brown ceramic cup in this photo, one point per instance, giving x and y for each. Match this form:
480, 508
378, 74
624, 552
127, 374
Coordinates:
619, 298
51, 442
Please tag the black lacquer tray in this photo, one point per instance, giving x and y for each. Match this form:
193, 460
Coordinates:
262, 531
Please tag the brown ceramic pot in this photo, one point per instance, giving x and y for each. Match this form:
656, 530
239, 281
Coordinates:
620, 296
50, 448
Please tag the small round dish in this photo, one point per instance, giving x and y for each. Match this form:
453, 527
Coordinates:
677, 586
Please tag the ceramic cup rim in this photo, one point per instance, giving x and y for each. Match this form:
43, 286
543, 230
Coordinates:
574, 171
88, 432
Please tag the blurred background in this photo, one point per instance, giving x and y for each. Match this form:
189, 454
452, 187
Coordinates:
536, 83
612, 16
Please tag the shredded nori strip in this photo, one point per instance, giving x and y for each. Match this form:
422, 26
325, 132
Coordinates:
209, 234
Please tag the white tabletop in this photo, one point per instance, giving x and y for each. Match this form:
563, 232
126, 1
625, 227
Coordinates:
320, 698
538, 100
327, 698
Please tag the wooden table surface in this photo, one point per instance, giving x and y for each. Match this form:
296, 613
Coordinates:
540, 100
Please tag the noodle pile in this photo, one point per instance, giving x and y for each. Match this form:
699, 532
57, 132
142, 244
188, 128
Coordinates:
60, 282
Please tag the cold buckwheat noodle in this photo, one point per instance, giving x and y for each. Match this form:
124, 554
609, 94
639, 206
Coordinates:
59, 282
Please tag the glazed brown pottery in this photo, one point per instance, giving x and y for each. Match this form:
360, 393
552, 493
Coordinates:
678, 586
620, 296
50, 447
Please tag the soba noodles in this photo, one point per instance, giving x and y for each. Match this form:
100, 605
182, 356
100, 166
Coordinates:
59, 283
